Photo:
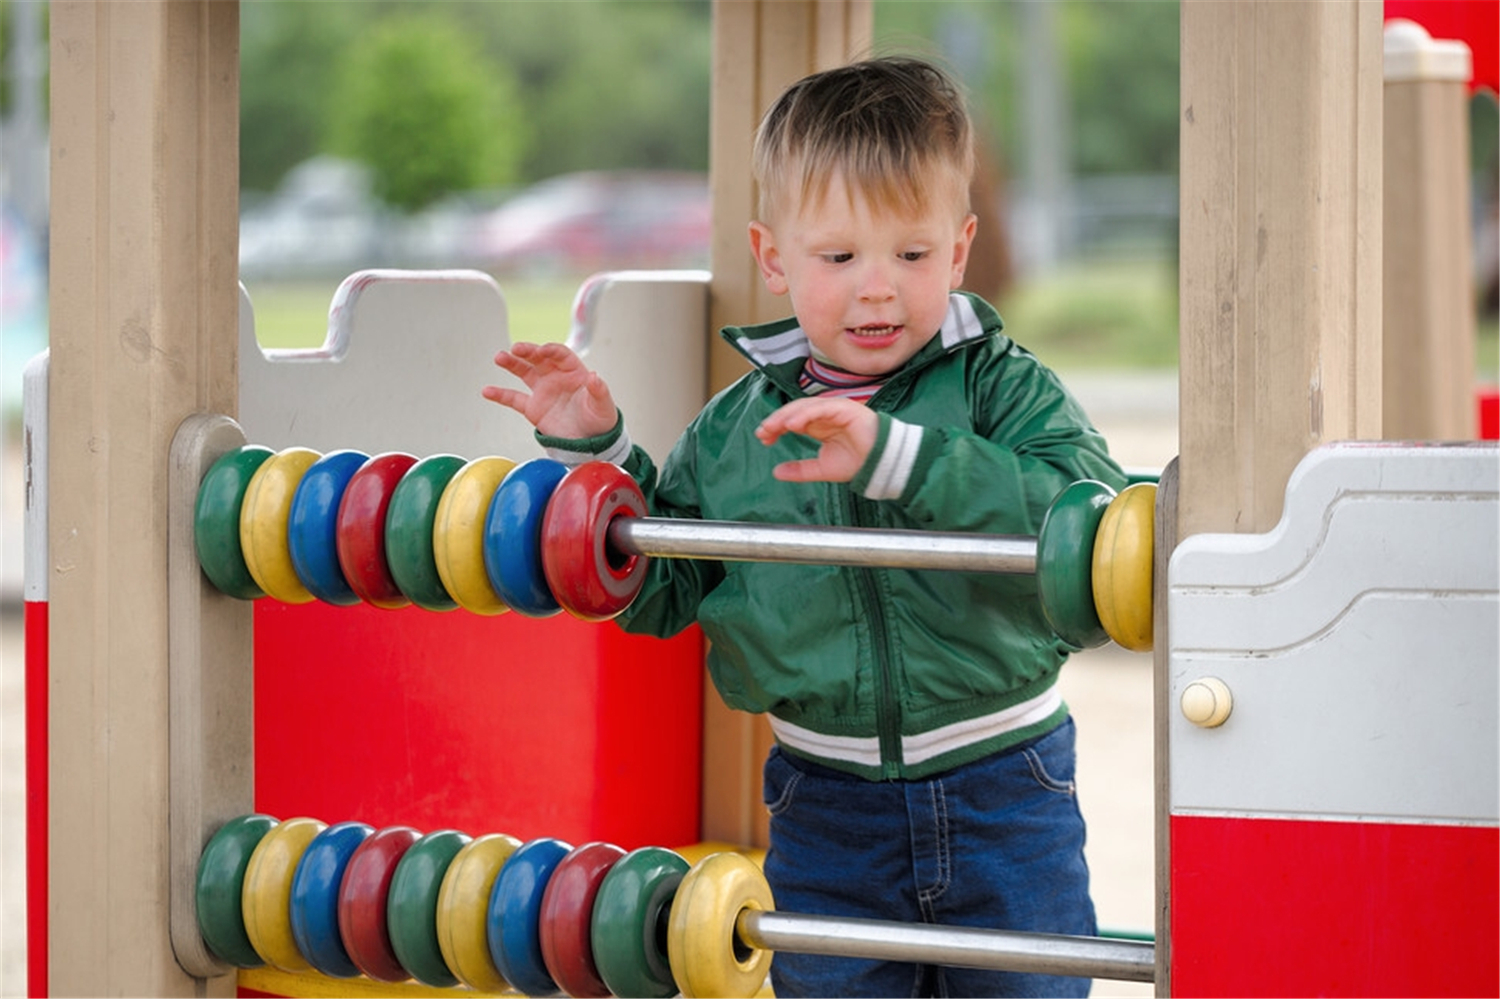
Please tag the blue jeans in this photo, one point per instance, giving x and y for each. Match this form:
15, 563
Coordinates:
997, 843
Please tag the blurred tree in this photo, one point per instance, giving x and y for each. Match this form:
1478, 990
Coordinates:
1122, 71
417, 102
601, 85
288, 57
1120, 65
607, 85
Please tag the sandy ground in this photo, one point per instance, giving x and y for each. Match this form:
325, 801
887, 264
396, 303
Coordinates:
1108, 689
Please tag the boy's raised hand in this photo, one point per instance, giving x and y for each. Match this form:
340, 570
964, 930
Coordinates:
566, 398
847, 430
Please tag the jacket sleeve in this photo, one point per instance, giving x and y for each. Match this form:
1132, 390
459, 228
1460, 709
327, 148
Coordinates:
668, 601
674, 587
1029, 438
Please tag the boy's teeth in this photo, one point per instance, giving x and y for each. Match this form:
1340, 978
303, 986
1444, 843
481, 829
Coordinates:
873, 330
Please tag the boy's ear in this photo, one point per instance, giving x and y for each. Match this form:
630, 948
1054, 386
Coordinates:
961, 250
768, 258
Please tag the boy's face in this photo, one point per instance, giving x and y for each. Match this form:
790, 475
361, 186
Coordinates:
869, 285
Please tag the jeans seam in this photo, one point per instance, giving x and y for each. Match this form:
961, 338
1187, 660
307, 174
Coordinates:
1042, 777
784, 799
931, 894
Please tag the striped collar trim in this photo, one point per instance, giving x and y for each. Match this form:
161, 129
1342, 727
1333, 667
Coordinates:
864, 751
767, 346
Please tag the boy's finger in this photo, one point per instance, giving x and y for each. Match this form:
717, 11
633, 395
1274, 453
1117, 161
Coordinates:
804, 470
507, 397
510, 362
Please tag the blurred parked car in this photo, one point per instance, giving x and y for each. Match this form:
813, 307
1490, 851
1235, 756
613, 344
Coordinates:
592, 221
323, 221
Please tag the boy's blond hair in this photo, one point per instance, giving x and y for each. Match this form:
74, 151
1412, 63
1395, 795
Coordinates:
886, 125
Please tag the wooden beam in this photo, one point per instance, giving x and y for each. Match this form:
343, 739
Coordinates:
760, 47
1280, 247
144, 262
1429, 268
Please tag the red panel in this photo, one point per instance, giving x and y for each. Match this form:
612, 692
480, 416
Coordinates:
551, 727
1489, 413
1475, 22
1273, 907
36, 797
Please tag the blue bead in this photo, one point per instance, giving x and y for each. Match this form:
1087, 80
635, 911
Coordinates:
312, 522
314, 908
513, 923
513, 537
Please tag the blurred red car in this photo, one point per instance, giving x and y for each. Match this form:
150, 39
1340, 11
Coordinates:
585, 222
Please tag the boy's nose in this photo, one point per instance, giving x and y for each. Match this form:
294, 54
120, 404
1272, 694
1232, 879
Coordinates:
876, 284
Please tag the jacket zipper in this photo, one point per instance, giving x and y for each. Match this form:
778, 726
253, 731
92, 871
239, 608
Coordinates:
887, 706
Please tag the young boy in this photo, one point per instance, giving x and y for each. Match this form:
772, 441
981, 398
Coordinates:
923, 767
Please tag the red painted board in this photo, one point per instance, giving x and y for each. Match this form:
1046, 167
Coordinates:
1278, 907
35, 625
551, 727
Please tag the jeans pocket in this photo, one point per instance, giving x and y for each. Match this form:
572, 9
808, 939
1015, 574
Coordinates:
779, 782
1043, 778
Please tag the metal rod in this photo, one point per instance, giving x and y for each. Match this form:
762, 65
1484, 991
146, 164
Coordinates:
666, 537
955, 946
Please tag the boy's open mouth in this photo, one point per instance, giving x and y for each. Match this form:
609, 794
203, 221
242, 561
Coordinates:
874, 332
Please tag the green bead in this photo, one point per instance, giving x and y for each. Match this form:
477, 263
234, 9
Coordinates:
411, 906
216, 520
219, 889
628, 931
1065, 562
409, 524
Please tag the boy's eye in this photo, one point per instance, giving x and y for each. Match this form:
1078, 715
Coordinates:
837, 258
912, 256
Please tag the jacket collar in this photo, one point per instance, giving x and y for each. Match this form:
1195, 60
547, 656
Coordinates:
779, 349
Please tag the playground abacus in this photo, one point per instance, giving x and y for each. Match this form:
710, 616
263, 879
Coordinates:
489, 535
493, 914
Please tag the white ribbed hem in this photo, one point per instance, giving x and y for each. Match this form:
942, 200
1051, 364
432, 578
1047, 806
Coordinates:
615, 454
893, 470
917, 749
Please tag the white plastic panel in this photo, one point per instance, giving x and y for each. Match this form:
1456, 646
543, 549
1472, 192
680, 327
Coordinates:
401, 370
1360, 640
408, 352
36, 572
646, 333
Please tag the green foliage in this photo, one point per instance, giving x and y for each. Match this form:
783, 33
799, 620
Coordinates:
587, 84
1096, 315
607, 85
288, 59
417, 103
1120, 72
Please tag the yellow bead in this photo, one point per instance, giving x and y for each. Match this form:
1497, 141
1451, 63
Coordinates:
463, 911
703, 945
458, 534
263, 524
1122, 571
267, 895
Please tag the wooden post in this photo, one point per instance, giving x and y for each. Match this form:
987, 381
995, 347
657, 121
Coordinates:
1280, 337
144, 261
760, 47
1429, 270
1281, 247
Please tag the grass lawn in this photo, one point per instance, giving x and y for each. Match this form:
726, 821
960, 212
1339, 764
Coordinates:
1112, 315
295, 314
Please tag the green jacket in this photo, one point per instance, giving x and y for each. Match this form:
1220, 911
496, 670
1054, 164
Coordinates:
880, 672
